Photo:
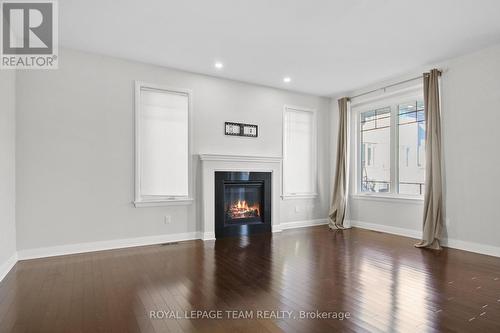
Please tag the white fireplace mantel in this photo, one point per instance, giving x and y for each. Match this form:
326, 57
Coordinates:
210, 163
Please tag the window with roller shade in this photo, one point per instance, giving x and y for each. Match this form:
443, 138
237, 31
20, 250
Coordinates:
162, 144
299, 153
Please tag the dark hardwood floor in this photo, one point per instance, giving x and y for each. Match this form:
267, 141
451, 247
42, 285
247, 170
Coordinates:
381, 280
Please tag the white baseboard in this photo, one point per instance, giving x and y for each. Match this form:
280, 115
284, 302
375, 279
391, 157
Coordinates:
449, 242
472, 247
152, 240
207, 236
105, 245
276, 228
139, 241
7, 266
302, 224
387, 229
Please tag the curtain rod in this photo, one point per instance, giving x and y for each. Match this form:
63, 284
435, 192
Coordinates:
391, 85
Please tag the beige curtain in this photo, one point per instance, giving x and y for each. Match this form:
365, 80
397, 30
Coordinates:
433, 203
339, 200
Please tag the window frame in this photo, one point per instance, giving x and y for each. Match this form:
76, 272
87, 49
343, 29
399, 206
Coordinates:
391, 100
160, 200
285, 195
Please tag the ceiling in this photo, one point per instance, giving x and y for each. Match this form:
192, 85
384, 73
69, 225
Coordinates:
325, 46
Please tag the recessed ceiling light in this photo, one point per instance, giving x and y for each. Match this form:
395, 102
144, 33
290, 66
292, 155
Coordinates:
219, 65
287, 79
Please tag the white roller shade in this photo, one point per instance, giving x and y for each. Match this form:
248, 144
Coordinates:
164, 143
299, 152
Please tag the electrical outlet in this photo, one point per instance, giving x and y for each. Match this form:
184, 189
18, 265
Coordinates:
167, 219
297, 209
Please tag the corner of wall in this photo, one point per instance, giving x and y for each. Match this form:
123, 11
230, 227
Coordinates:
8, 251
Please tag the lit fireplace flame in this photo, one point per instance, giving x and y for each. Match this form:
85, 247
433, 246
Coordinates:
240, 209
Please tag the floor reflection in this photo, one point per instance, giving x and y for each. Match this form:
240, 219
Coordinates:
385, 283
243, 264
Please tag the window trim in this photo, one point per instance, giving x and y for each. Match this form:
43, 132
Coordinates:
314, 194
155, 201
385, 100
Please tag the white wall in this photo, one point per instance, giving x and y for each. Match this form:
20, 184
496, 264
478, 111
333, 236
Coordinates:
471, 116
470, 88
75, 139
7, 169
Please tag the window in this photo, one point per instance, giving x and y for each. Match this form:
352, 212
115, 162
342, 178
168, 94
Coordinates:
391, 147
162, 145
376, 135
299, 153
411, 130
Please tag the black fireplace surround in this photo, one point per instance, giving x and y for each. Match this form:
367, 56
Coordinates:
242, 203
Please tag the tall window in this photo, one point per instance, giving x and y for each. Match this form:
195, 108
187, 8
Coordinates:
162, 145
376, 136
299, 153
391, 147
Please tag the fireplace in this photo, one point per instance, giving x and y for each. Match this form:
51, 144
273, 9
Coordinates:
242, 203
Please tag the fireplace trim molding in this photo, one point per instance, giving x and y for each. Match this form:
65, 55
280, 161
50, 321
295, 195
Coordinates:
210, 163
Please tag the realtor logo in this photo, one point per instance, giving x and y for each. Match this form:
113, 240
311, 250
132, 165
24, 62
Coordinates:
29, 34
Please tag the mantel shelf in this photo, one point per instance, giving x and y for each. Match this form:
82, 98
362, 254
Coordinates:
239, 158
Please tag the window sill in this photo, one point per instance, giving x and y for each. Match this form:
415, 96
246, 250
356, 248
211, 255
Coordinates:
389, 198
161, 203
299, 196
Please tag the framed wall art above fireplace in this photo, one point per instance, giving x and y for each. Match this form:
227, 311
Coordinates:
240, 129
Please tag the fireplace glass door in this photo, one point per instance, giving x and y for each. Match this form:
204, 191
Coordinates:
243, 202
